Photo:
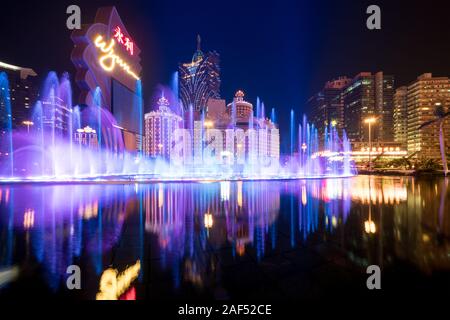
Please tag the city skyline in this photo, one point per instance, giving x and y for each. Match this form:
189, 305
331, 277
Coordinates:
216, 152
305, 63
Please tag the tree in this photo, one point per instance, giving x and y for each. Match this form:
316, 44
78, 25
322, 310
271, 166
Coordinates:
440, 115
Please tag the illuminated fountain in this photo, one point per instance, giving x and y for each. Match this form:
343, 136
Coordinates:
6, 143
243, 146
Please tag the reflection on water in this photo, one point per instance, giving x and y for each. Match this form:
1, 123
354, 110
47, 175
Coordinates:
187, 229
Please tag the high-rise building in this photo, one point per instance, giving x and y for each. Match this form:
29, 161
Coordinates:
423, 97
23, 92
160, 126
369, 95
400, 116
327, 106
199, 80
384, 106
56, 116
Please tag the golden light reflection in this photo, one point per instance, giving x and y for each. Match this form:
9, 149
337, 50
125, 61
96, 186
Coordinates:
370, 227
88, 211
113, 284
28, 219
304, 196
209, 221
239, 193
160, 196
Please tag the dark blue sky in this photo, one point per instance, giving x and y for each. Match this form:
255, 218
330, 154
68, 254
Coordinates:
282, 51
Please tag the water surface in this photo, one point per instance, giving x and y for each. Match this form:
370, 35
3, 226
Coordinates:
222, 240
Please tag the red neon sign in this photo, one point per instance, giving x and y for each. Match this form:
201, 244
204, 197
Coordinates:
123, 40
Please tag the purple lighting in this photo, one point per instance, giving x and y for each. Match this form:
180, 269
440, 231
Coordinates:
78, 143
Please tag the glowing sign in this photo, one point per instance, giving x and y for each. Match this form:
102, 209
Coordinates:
123, 40
114, 285
109, 59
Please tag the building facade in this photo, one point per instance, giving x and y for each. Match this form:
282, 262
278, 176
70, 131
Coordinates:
369, 95
56, 117
108, 67
160, 126
400, 116
199, 80
423, 97
234, 136
23, 93
327, 106
86, 137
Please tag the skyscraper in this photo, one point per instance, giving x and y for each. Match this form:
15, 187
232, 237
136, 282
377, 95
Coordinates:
327, 106
424, 96
199, 80
23, 92
384, 105
369, 95
400, 115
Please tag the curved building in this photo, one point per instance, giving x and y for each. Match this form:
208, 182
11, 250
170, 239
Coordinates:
244, 109
199, 80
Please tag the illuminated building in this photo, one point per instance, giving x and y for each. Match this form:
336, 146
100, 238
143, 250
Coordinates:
327, 106
423, 97
199, 80
243, 111
400, 116
108, 67
380, 151
86, 137
56, 116
160, 126
22, 91
248, 140
369, 95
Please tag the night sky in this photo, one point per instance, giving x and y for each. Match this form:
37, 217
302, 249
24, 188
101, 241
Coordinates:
281, 51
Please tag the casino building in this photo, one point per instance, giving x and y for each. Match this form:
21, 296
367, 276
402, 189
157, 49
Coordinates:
199, 80
107, 61
160, 126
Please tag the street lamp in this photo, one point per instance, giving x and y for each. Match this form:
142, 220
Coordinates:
370, 121
28, 124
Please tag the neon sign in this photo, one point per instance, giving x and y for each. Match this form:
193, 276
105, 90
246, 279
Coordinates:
123, 40
113, 285
109, 59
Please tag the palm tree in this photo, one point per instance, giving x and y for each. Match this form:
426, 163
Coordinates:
440, 115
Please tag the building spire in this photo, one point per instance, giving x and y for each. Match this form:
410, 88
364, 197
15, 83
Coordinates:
199, 42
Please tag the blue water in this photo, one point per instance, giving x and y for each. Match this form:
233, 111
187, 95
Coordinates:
225, 240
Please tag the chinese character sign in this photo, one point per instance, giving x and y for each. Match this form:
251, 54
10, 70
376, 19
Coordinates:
123, 40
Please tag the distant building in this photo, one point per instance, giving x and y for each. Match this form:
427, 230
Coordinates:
56, 116
23, 92
424, 95
86, 137
400, 116
327, 106
237, 144
160, 126
199, 80
243, 109
369, 95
